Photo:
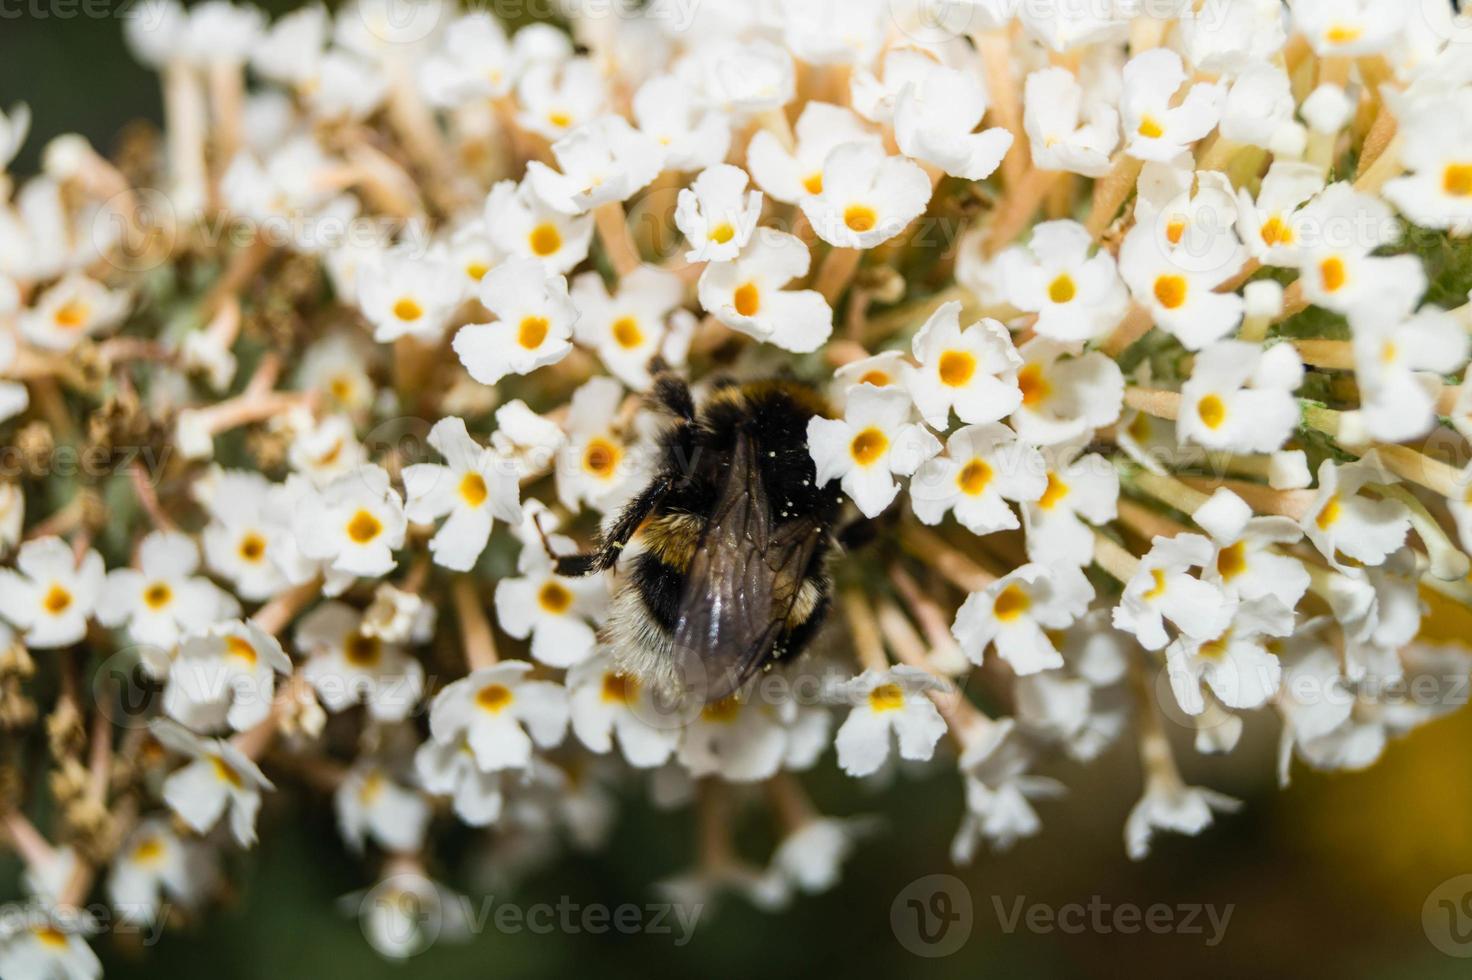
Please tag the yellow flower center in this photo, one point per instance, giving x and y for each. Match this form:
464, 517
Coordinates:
722, 233
51, 937
1170, 292
860, 217
1157, 576
1388, 353
148, 851
626, 333
1175, 231
57, 600
723, 711
554, 597
532, 331
601, 458
748, 299
473, 489
408, 310
1344, 33
240, 650
878, 379
1213, 649
956, 367
476, 270
1331, 513
371, 789
494, 698
1150, 128
363, 528
1055, 492
868, 446
1063, 289
1011, 603
561, 120
157, 596
1334, 274
1231, 561
252, 547
886, 697
619, 688
225, 773
1212, 410
1035, 387
362, 650
1275, 231
545, 239
72, 315
813, 183
1457, 181
974, 477
1139, 428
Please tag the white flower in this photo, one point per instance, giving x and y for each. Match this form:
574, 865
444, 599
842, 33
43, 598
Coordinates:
1014, 612
595, 468
1250, 568
717, 214
473, 487
406, 913
891, 706
791, 177
1240, 397
867, 197
934, 116
1077, 297
1338, 271
50, 949
1169, 804
872, 442
475, 61
742, 742
156, 864
1192, 213
1258, 105
499, 714
450, 769
812, 856
1233, 38
1066, 133
1273, 226
1080, 489
1396, 363
520, 224
409, 294
999, 789
1343, 520
627, 329
605, 703
347, 666
370, 804
984, 466
746, 294
693, 135
741, 77
1438, 154
13, 130
323, 449
1349, 28
225, 676
354, 524
554, 98
1065, 397
603, 160
162, 599
1062, 26
557, 612
218, 778
51, 593
1163, 589
533, 327
74, 308
835, 32
883, 370
526, 440
1156, 129
1236, 665
973, 371
1181, 298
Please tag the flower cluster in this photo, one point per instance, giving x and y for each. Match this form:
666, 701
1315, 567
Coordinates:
1125, 322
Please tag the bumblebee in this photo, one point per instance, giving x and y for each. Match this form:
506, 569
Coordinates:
729, 542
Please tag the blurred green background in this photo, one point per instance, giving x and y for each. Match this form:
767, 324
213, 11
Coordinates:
1328, 876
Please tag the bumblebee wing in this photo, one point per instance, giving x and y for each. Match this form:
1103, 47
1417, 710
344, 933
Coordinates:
741, 584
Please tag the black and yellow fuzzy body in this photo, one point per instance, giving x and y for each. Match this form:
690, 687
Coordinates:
725, 573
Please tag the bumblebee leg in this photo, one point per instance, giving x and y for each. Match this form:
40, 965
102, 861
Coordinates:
672, 394
617, 536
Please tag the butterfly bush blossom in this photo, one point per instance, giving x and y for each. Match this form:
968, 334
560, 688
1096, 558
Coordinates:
1131, 346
